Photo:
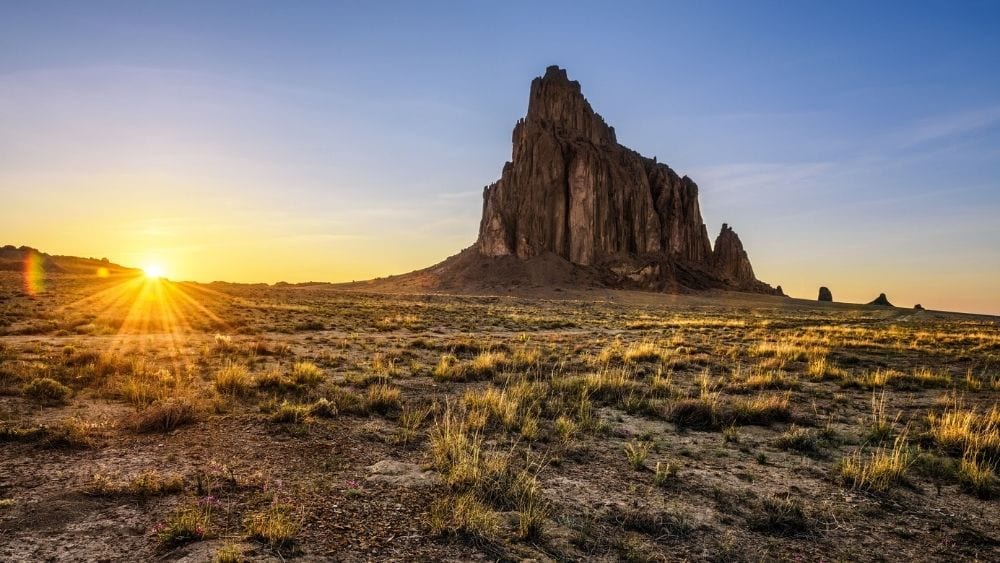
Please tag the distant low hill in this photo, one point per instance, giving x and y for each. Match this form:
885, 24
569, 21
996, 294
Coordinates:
13, 258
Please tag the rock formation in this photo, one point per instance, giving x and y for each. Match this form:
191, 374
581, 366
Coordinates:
882, 300
730, 260
918, 307
571, 190
825, 294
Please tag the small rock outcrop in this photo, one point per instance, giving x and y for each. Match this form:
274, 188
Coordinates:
882, 300
825, 294
918, 307
730, 260
571, 190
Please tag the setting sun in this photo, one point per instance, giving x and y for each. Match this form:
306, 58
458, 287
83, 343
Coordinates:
153, 271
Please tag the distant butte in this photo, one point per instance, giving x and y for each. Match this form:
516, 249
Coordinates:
574, 207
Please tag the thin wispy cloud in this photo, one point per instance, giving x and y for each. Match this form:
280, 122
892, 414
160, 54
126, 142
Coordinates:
753, 178
948, 126
451, 196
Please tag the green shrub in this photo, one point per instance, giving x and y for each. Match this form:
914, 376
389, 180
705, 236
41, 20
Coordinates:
47, 391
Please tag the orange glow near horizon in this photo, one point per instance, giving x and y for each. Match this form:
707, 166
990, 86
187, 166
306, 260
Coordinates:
260, 251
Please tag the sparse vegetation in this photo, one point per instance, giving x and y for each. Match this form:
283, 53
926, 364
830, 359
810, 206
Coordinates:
801, 440
878, 470
665, 473
410, 421
276, 526
70, 432
516, 428
230, 553
958, 430
636, 453
186, 525
166, 415
977, 476
234, 379
781, 517
463, 514
47, 391
145, 485
290, 413
307, 373
383, 398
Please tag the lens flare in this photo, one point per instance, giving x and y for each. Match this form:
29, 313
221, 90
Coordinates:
34, 273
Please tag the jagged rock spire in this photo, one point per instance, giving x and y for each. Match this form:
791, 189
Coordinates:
730, 259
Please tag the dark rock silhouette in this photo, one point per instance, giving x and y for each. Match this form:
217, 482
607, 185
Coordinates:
882, 300
13, 258
571, 190
730, 260
825, 294
918, 307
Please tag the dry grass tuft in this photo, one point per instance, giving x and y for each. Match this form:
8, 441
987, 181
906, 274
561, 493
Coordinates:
665, 473
761, 410
145, 485
382, 398
644, 352
636, 454
72, 433
307, 373
234, 379
448, 368
957, 430
757, 379
289, 413
166, 415
463, 514
780, 517
230, 553
977, 476
186, 525
276, 526
786, 351
879, 470
410, 421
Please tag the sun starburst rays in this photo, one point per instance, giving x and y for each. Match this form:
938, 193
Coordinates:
143, 312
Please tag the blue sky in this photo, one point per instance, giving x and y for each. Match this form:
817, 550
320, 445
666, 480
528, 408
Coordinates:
851, 145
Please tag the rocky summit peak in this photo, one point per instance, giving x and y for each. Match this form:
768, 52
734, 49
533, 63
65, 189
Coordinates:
557, 102
572, 191
881, 300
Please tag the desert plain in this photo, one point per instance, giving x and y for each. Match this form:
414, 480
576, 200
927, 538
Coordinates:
145, 419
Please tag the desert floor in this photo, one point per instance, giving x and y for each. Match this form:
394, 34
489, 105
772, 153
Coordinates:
144, 419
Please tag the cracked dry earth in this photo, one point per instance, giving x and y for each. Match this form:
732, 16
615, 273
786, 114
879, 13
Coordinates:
188, 422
